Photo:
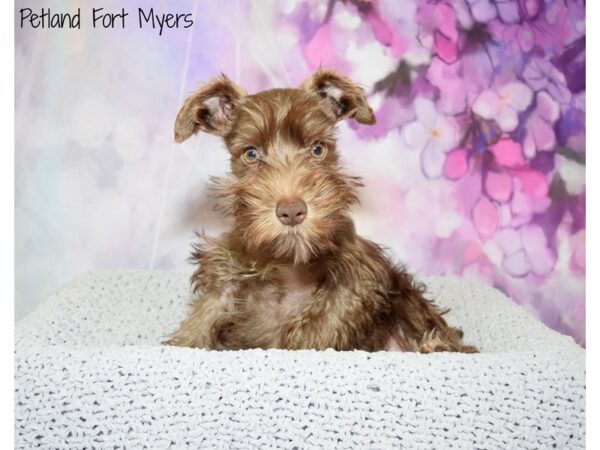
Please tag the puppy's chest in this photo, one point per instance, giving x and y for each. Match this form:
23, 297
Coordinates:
287, 294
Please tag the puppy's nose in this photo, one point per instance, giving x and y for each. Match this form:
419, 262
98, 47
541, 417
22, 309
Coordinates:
291, 212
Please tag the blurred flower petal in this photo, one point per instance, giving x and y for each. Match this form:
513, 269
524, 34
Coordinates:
578, 245
456, 164
517, 95
526, 39
504, 105
498, 186
572, 173
540, 126
529, 146
533, 183
507, 118
508, 11
381, 29
432, 161
517, 264
445, 47
425, 112
509, 240
320, 50
446, 134
508, 153
541, 74
416, 135
542, 134
487, 105
547, 108
485, 217
521, 208
541, 259
483, 10
451, 83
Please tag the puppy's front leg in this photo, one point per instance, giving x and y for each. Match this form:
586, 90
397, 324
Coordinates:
332, 319
203, 327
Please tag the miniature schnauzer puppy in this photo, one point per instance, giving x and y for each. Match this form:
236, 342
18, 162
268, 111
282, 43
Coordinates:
292, 273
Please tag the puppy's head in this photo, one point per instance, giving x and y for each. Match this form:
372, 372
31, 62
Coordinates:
287, 194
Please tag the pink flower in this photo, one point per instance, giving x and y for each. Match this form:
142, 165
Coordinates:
508, 153
440, 20
534, 184
530, 196
504, 105
485, 217
445, 47
433, 134
456, 164
498, 186
540, 125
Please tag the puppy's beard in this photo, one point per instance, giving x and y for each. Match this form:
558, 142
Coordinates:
296, 245
293, 245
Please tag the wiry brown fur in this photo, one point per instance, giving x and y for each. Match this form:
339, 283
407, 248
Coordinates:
314, 285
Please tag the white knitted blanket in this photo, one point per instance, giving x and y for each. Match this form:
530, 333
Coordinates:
90, 373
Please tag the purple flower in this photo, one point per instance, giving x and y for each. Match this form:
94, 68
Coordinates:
503, 105
433, 134
452, 86
540, 126
525, 251
572, 64
508, 11
541, 74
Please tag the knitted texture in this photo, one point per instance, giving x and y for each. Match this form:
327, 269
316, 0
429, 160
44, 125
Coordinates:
90, 372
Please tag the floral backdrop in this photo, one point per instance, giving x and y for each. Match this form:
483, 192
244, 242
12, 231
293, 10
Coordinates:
476, 166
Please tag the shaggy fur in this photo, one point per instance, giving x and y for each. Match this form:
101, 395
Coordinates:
314, 284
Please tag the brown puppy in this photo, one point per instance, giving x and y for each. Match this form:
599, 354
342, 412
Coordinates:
292, 273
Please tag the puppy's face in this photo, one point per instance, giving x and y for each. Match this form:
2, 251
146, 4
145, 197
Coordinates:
287, 194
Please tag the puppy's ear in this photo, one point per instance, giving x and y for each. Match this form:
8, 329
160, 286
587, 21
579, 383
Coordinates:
342, 96
210, 108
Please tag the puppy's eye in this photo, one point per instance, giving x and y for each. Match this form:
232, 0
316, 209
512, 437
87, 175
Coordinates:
250, 156
318, 151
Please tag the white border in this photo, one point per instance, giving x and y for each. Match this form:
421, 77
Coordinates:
7, 223
592, 222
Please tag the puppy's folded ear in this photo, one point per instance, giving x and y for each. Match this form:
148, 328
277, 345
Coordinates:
342, 96
211, 109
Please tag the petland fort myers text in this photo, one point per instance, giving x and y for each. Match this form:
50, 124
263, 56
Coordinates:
101, 18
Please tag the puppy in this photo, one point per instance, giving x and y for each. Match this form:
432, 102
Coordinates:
291, 272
